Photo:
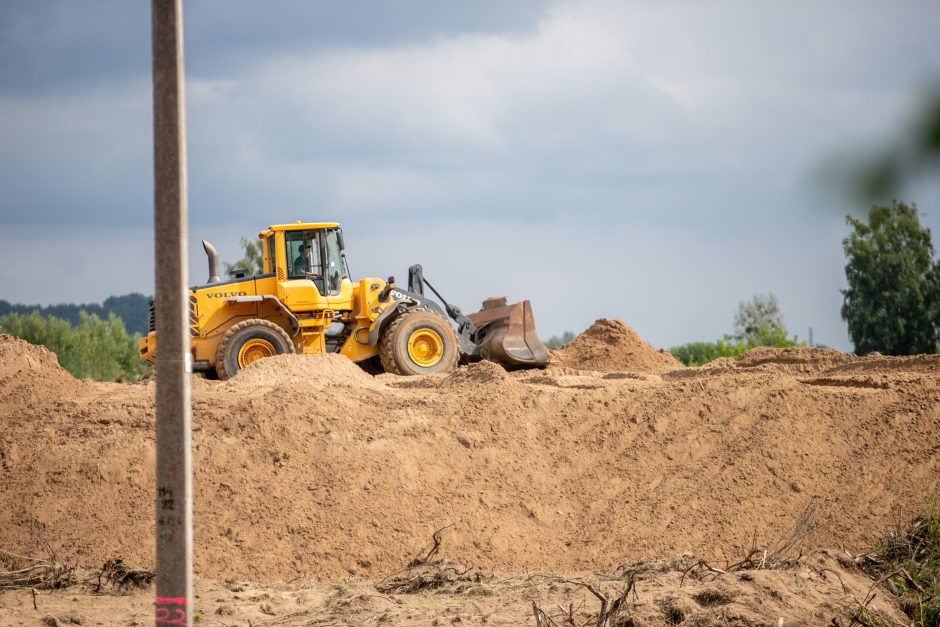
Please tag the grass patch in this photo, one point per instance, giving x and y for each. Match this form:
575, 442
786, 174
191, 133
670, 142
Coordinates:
907, 562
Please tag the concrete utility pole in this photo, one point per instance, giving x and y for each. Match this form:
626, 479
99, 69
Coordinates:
174, 502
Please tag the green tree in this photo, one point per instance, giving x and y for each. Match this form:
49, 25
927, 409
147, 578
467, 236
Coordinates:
131, 308
251, 263
892, 304
759, 322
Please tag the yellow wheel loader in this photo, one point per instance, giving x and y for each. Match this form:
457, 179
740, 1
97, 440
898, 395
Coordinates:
304, 301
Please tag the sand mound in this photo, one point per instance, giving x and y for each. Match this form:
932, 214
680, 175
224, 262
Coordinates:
800, 356
927, 364
307, 467
611, 346
290, 370
796, 360
479, 373
20, 358
26, 367
806, 361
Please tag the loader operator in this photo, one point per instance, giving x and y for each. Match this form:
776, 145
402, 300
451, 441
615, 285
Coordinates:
302, 266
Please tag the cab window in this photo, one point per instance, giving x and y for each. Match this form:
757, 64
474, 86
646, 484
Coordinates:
305, 256
335, 270
269, 242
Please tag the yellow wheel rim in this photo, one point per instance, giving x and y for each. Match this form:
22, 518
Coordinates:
253, 350
425, 347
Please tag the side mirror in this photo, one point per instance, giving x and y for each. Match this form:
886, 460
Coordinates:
339, 239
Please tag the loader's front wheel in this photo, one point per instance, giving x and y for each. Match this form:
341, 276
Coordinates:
419, 342
247, 342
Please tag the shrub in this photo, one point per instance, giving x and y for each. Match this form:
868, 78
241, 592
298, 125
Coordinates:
698, 353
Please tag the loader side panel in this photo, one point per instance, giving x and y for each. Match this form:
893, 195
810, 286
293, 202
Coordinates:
212, 312
213, 309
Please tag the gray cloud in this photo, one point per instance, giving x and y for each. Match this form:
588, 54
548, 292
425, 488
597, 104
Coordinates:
57, 46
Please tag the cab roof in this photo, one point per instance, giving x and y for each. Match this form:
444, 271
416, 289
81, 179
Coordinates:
298, 226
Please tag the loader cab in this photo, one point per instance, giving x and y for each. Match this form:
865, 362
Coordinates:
316, 256
309, 264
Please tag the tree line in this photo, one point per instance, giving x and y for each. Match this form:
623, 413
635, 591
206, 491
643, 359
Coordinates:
132, 309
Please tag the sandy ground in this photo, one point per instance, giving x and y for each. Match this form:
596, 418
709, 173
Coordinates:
308, 470
821, 589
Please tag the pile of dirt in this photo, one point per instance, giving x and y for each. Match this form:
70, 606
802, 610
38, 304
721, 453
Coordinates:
27, 368
612, 346
794, 359
479, 373
291, 370
875, 362
20, 360
308, 467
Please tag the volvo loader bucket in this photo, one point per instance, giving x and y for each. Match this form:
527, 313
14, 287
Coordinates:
508, 334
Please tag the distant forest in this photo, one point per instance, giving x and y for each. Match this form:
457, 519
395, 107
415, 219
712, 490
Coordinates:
131, 308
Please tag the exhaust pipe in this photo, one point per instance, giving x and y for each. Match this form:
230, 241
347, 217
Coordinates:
213, 262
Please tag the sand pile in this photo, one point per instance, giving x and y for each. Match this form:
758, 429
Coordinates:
795, 359
557, 471
290, 370
926, 364
26, 369
479, 373
21, 360
612, 346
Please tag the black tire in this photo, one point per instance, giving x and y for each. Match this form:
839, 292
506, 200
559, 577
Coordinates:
247, 341
419, 342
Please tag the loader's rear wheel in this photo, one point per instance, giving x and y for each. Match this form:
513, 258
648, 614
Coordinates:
247, 342
419, 342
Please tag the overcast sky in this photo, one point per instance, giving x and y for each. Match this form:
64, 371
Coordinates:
655, 162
